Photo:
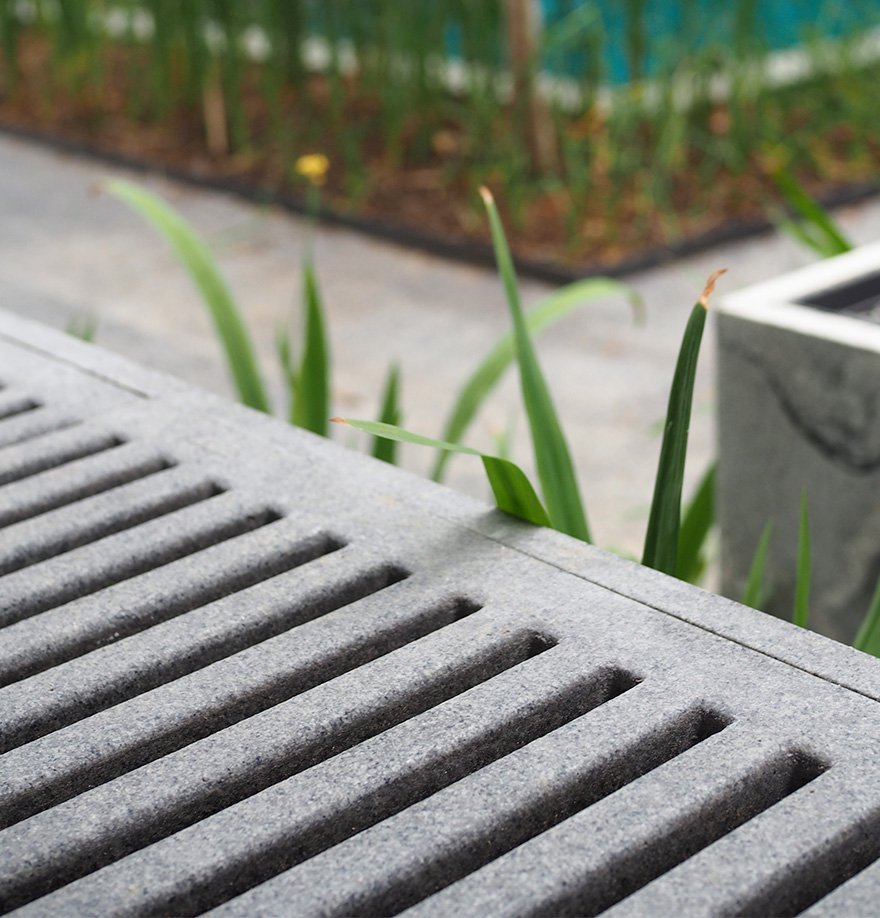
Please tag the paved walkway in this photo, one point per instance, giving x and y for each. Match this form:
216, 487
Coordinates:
65, 251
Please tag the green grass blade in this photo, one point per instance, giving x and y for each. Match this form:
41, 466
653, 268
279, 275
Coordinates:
311, 407
552, 458
485, 377
194, 256
664, 522
511, 487
826, 236
389, 413
868, 638
82, 327
802, 234
696, 523
286, 361
753, 594
803, 573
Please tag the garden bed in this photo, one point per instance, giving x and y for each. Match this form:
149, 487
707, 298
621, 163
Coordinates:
422, 191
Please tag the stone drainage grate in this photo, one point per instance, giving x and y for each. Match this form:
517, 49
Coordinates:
246, 671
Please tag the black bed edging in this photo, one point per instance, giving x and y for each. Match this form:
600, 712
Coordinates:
476, 253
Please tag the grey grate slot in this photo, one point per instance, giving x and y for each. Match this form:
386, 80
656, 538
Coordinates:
10, 408
180, 546
32, 425
543, 812
198, 708
39, 651
125, 509
417, 783
776, 780
190, 641
79, 479
49, 450
854, 850
91, 846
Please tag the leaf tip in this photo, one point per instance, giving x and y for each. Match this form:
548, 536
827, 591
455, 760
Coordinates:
486, 195
339, 421
710, 287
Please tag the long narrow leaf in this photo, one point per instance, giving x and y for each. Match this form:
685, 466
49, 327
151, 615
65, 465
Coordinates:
803, 572
664, 522
696, 523
311, 407
753, 594
288, 366
194, 256
511, 487
389, 413
555, 468
483, 380
868, 638
823, 234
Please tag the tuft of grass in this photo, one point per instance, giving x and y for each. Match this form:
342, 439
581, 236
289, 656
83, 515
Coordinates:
754, 593
696, 523
480, 384
83, 327
868, 637
310, 406
664, 521
813, 225
390, 415
803, 571
552, 458
195, 257
513, 492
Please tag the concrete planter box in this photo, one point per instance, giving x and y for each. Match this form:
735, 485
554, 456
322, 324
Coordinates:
799, 410
244, 670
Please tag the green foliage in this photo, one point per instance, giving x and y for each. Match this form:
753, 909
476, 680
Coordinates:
675, 539
486, 376
696, 522
868, 638
311, 404
664, 522
82, 327
197, 260
511, 487
389, 415
803, 572
753, 594
813, 226
665, 129
553, 460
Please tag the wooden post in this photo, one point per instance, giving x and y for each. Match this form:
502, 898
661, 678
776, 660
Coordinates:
523, 31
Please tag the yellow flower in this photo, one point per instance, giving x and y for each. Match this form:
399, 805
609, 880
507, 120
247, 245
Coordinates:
313, 167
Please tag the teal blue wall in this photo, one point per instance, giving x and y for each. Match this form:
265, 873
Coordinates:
673, 27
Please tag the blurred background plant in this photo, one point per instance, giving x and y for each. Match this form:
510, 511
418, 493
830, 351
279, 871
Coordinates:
611, 125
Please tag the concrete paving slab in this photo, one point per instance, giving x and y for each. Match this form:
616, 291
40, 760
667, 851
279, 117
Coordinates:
65, 252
